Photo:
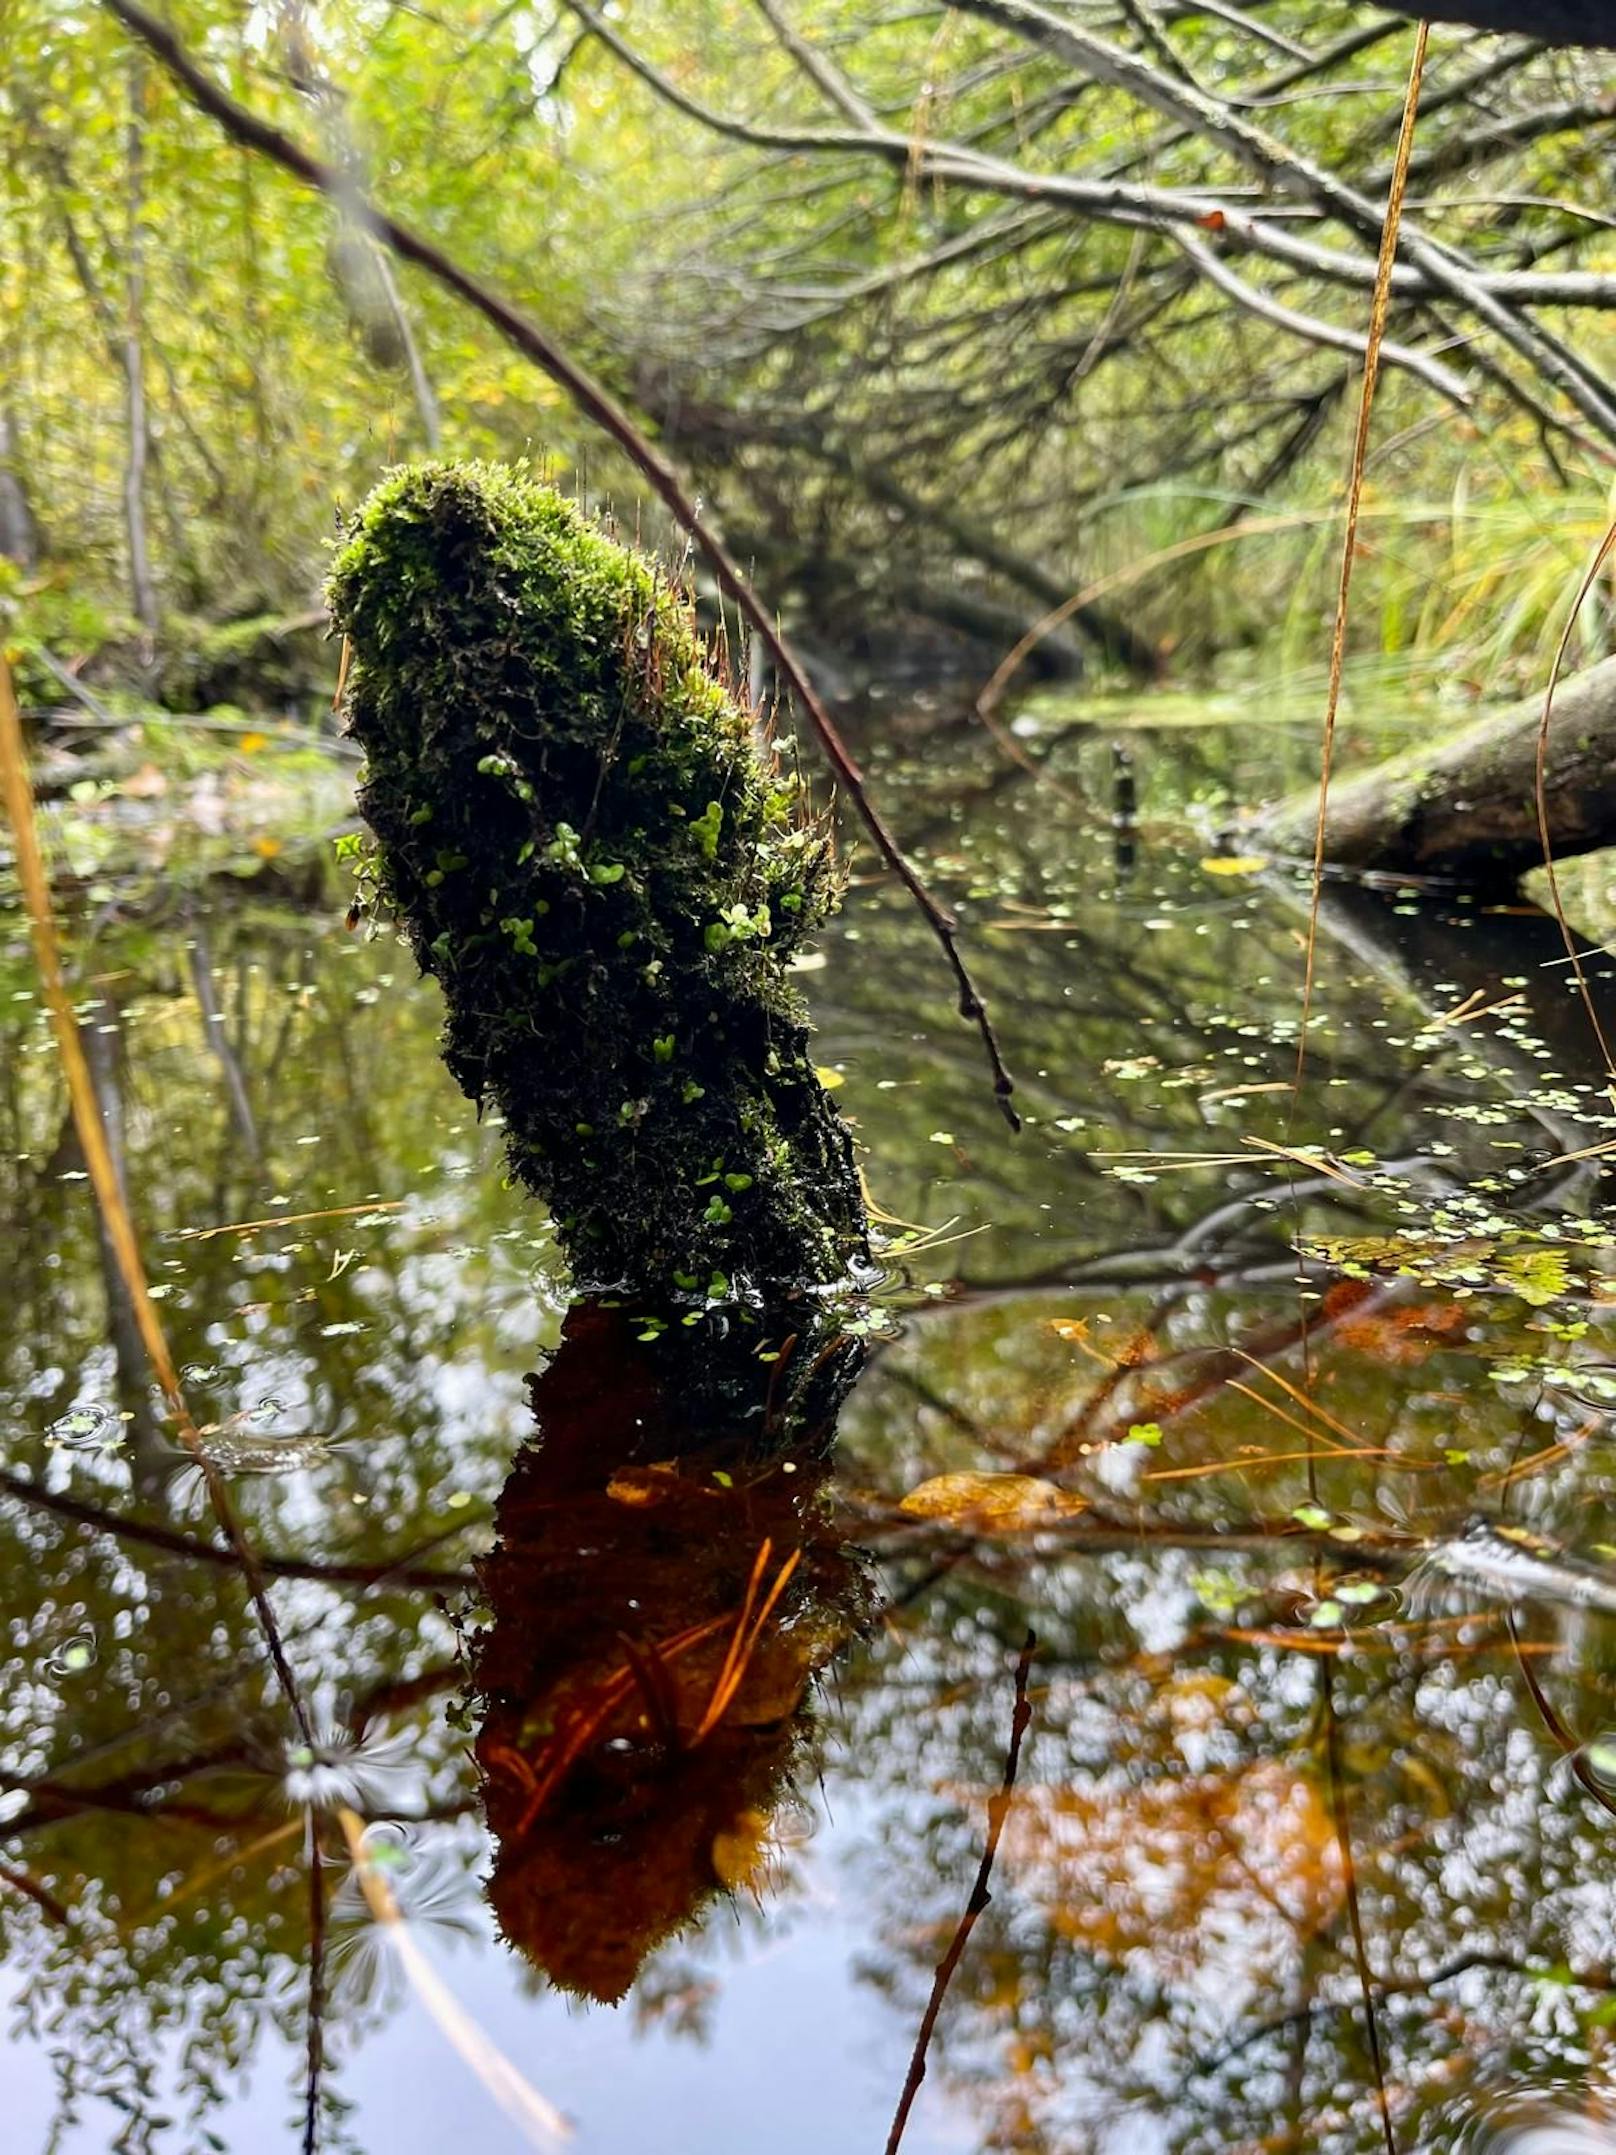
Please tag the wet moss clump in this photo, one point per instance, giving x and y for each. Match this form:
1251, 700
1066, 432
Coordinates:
591, 853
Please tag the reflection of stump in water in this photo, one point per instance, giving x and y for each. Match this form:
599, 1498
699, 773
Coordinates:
664, 1589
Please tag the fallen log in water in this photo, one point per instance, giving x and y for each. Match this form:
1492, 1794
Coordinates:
1466, 808
1555, 22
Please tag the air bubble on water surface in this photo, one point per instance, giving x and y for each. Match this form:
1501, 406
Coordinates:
86, 1429
74, 1657
1599, 1759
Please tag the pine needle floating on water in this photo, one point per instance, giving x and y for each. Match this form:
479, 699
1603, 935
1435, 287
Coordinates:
283, 1219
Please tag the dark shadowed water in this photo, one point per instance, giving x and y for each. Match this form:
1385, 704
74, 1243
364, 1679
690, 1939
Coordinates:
1289, 1438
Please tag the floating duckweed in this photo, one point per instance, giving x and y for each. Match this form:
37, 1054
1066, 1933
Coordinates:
609, 886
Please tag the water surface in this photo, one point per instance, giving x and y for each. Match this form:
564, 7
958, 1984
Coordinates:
1309, 1414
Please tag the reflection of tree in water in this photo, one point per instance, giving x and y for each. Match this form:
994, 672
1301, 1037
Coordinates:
153, 1834
1169, 1947
1169, 1940
666, 1585
155, 1892
1169, 1960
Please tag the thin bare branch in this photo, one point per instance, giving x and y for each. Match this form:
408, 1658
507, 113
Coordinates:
602, 408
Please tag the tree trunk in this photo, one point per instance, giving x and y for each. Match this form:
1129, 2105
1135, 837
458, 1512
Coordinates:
1553, 22
1467, 808
142, 588
19, 531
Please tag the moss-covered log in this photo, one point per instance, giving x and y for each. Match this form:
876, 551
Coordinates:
607, 876
1466, 808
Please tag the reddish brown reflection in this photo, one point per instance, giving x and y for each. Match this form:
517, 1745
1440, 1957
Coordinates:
666, 1585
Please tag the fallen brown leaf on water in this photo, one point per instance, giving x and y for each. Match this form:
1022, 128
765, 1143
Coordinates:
992, 1503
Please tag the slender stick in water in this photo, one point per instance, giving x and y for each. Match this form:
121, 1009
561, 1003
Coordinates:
998, 1812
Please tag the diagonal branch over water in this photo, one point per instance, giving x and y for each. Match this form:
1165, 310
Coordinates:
598, 405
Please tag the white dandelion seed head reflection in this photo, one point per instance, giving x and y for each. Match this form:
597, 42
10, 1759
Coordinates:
375, 1771
431, 1884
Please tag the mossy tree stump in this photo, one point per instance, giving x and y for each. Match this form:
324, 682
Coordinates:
607, 876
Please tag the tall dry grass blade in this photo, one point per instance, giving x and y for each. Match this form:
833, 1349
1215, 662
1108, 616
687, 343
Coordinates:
1379, 307
18, 795
1349, 542
540, 2123
92, 1136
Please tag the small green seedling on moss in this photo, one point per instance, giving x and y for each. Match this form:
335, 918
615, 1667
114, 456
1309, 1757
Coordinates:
588, 848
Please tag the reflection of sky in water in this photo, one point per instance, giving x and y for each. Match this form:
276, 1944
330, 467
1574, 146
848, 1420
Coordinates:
367, 1371
789, 2036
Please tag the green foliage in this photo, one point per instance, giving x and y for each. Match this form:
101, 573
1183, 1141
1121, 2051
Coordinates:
605, 875
886, 382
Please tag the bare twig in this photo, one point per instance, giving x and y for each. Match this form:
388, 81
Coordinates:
143, 1533
1349, 1873
30, 1888
1332, 335
314, 2033
998, 1811
1349, 540
597, 404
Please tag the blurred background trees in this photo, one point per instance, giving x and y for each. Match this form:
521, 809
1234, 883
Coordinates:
948, 312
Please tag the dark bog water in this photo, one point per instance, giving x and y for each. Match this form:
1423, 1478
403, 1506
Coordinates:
1296, 1461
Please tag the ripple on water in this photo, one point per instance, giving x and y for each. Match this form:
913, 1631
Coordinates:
1530, 2125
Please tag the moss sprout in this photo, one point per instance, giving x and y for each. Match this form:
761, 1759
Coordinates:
607, 875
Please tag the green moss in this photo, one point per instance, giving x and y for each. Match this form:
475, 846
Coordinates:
590, 853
